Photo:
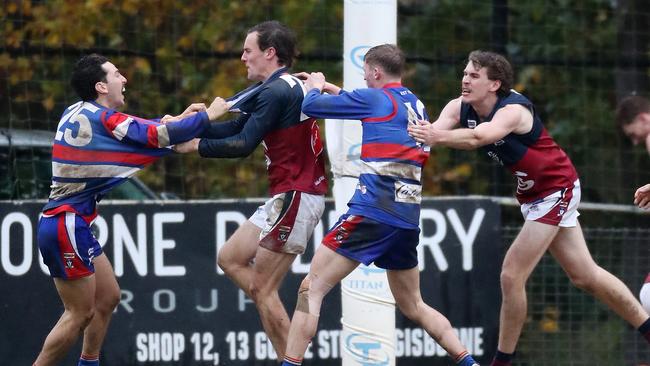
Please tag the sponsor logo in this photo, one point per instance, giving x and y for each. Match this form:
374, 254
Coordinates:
408, 193
316, 142
523, 185
319, 180
370, 270
495, 157
68, 257
498, 143
357, 54
365, 351
471, 123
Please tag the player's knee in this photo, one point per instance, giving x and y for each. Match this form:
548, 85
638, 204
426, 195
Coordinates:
82, 317
112, 300
409, 308
224, 263
310, 295
259, 290
510, 280
585, 280
302, 303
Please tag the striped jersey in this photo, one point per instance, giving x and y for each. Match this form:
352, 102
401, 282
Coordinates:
540, 166
389, 188
96, 148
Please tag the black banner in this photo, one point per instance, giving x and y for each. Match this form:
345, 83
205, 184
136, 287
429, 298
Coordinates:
177, 308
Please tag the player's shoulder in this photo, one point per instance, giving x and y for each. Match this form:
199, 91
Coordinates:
282, 88
514, 97
370, 94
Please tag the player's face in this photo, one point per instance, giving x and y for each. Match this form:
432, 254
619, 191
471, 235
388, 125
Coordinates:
254, 58
369, 75
115, 83
475, 85
639, 130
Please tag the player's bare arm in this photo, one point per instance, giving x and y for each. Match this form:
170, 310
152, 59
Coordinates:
448, 119
449, 116
327, 87
512, 118
190, 110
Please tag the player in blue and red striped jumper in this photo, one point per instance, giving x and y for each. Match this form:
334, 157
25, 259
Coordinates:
382, 223
505, 125
95, 149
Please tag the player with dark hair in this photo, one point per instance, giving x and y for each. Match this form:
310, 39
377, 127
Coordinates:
506, 126
633, 118
258, 255
95, 149
382, 223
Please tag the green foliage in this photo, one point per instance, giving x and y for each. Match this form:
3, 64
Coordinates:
175, 53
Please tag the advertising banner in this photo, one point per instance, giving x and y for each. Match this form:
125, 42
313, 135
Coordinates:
177, 308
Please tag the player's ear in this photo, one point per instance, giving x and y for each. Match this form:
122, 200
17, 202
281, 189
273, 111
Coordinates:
645, 117
376, 72
269, 52
496, 85
101, 87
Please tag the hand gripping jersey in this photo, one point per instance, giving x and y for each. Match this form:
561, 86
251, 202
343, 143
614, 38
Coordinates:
271, 115
96, 148
540, 166
389, 189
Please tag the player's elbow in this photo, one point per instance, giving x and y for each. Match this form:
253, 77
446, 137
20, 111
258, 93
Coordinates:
478, 140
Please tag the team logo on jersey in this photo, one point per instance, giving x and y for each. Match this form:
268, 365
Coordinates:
341, 234
563, 208
471, 123
68, 257
523, 185
283, 233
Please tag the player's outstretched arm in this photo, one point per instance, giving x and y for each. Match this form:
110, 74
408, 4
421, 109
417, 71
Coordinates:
190, 110
642, 197
505, 121
327, 87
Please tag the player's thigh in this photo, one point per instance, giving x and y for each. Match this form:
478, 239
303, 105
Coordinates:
107, 288
242, 245
329, 266
528, 247
270, 268
405, 285
77, 295
570, 249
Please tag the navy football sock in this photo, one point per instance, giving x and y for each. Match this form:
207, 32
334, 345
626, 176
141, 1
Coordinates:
645, 329
502, 359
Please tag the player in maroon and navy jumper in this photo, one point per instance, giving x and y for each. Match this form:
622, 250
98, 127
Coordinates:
633, 118
258, 255
382, 223
506, 126
95, 149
